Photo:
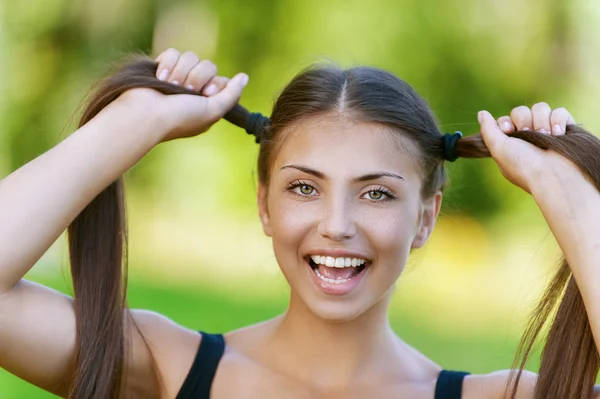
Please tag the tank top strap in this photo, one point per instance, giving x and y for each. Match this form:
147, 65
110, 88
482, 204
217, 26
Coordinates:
199, 380
449, 384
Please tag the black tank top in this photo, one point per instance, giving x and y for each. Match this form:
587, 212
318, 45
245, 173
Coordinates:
199, 379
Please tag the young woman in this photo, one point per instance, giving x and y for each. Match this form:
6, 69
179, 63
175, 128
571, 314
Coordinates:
351, 173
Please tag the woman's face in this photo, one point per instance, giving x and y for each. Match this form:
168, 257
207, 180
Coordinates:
343, 208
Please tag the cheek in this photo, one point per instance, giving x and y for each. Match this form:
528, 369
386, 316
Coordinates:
391, 231
290, 222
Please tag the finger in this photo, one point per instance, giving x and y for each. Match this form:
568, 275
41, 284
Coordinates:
506, 124
541, 117
559, 119
166, 62
215, 85
223, 101
185, 64
492, 136
200, 75
522, 118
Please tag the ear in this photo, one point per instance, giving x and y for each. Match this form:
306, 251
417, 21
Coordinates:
429, 213
263, 209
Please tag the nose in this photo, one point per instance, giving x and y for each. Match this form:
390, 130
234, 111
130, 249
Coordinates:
338, 223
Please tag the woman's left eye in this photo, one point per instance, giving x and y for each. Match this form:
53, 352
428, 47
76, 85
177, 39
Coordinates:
378, 195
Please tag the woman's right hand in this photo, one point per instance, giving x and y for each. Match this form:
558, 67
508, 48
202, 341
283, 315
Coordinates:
189, 115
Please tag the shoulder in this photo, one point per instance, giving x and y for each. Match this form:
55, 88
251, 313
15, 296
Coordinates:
161, 350
493, 385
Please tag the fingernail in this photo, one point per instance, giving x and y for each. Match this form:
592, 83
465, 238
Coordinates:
525, 128
163, 74
245, 79
210, 89
175, 83
542, 130
189, 87
557, 129
480, 116
506, 126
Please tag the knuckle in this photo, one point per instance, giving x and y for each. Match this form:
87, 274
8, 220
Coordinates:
541, 106
520, 110
190, 55
209, 66
560, 116
521, 115
171, 52
560, 112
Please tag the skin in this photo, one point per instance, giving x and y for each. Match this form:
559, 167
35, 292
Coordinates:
323, 346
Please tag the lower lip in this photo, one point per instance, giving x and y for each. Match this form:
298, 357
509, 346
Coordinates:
336, 289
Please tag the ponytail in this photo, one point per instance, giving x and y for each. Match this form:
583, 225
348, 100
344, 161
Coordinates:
98, 250
569, 360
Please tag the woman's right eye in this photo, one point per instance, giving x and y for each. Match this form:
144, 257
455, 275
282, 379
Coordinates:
305, 189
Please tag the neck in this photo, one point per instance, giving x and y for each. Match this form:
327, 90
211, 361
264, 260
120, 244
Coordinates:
332, 353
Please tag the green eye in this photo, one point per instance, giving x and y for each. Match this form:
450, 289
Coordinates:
306, 190
303, 189
379, 195
375, 195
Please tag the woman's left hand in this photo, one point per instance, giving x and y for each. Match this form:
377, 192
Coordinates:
522, 163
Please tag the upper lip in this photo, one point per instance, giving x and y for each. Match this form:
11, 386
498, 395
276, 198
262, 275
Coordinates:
338, 253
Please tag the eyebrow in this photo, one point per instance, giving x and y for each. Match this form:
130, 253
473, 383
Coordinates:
359, 179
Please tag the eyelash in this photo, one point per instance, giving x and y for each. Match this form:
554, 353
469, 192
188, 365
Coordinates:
389, 195
299, 183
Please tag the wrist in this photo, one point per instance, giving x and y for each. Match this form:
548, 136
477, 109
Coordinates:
144, 108
566, 192
559, 176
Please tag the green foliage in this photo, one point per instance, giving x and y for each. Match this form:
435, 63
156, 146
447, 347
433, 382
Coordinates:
461, 55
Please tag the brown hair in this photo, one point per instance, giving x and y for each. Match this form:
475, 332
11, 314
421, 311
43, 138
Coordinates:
97, 237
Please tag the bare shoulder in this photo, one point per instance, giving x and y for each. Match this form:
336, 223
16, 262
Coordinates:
493, 385
161, 351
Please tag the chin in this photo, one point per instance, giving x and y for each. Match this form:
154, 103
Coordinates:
336, 311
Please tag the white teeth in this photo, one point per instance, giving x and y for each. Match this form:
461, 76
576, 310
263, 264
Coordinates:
330, 280
330, 261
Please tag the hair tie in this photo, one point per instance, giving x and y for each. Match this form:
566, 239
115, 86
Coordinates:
257, 125
450, 141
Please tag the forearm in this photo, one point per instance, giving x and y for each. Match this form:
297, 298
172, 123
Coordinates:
571, 206
40, 200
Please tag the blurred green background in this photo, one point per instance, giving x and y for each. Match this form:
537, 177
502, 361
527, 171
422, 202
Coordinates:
198, 254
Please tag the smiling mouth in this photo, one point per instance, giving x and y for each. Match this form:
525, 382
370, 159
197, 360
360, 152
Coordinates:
337, 270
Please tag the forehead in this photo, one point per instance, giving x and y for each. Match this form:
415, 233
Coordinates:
341, 145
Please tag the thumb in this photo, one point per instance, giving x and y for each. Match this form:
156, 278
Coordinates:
492, 136
220, 103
